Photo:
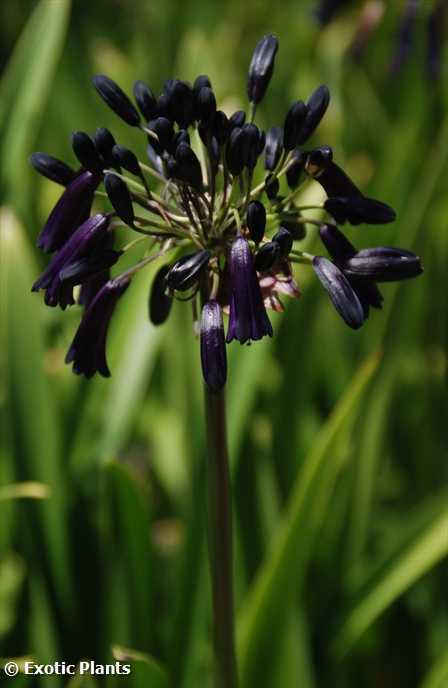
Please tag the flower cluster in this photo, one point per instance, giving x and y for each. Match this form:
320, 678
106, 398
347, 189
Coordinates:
226, 244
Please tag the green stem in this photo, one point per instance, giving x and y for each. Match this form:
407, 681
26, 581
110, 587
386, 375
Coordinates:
220, 540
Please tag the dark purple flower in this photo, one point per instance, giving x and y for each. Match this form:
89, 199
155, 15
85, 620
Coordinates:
69, 212
261, 68
213, 346
274, 148
120, 197
67, 268
86, 151
267, 255
88, 348
317, 105
384, 264
145, 99
284, 239
160, 302
293, 125
256, 220
188, 166
187, 270
338, 288
341, 249
248, 318
295, 169
52, 168
205, 105
358, 209
116, 99
336, 182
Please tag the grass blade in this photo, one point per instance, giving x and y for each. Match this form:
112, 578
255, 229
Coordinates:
275, 588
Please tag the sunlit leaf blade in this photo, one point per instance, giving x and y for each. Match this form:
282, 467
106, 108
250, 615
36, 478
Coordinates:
395, 577
12, 575
437, 676
275, 586
129, 554
32, 415
31, 73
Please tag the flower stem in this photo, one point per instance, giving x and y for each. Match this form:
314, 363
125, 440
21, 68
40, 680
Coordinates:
220, 540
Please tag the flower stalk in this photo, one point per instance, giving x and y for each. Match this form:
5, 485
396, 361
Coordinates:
220, 539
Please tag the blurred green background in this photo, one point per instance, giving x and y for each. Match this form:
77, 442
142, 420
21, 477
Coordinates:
338, 438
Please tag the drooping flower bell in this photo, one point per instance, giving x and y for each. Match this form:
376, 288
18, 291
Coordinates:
88, 348
75, 262
69, 212
248, 320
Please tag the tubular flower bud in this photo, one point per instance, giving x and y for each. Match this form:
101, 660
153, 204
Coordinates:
237, 119
52, 168
338, 288
261, 68
336, 182
295, 170
146, 100
317, 105
86, 152
319, 159
187, 271
159, 301
284, 239
256, 220
384, 264
104, 143
59, 284
274, 148
358, 209
205, 105
236, 151
213, 346
252, 134
248, 318
188, 166
69, 212
272, 187
294, 123
266, 256
126, 159
116, 99
340, 249
88, 348
120, 197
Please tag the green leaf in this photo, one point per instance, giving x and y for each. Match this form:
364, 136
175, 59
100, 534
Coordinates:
35, 452
129, 564
30, 76
393, 579
12, 574
276, 584
437, 677
150, 673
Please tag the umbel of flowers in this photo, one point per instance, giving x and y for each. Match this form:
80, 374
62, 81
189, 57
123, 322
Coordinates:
224, 243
